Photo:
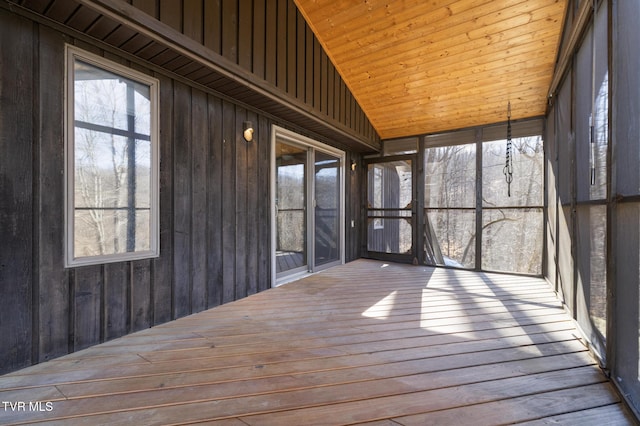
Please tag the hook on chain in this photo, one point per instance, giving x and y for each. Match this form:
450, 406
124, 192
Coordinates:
508, 167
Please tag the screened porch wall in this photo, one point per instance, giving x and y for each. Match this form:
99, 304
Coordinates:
466, 214
484, 213
624, 200
578, 140
593, 187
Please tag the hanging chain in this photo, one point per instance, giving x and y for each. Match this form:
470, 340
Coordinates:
508, 167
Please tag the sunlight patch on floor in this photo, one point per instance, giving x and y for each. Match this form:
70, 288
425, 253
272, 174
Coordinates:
382, 308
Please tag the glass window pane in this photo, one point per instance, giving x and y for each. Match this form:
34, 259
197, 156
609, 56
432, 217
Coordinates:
112, 154
291, 199
327, 208
111, 100
102, 167
105, 231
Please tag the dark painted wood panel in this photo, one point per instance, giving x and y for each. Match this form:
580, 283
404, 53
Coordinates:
88, 306
271, 39
353, 182
164, 57
214, 204
342, 102
264, 204
336, 94
16, 177
300, 57
182, 200
149, 7
189, 68
308, 65
171, 14
136, 43
331, 79
61, 10
198, 73
259, 38
82, 19
199, 142
253, 202
317, 73
245, 34
348, 107
39, 6
117, 296
324, 82
292, 52
212, 26
241, 216
101, 28
230, 30
53, 280
141, 304
150, 51
162, 273
228, 200
192, 21
281, 44
120, 36
176, 63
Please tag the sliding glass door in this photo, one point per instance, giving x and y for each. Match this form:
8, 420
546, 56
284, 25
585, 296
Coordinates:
308, 223
291, 201
326, 208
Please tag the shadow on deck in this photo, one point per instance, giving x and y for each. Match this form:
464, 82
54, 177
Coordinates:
366, 342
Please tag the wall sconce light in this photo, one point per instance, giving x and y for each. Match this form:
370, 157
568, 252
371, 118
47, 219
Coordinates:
247, 131
353, 166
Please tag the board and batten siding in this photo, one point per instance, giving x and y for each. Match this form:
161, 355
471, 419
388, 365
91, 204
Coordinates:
270, 39
214, 208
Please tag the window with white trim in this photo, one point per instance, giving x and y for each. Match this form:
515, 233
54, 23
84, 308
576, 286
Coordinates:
112, 163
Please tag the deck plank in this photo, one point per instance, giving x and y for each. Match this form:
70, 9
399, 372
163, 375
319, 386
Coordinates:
610, 415
367, 342
518, 409
427, 402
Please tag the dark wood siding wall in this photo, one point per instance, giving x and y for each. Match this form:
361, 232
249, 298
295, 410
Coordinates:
214, 193
354, 209
270, 39
16, 182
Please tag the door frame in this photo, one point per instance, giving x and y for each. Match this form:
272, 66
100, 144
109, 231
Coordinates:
281, 134
415, 254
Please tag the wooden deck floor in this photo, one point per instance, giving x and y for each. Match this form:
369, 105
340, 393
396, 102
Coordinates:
364, 343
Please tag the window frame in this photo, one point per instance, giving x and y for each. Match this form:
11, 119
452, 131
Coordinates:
73, 54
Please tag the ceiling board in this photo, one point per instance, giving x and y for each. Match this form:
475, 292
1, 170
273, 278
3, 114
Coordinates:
420, 67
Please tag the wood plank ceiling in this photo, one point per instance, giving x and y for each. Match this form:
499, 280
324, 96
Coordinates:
421, 67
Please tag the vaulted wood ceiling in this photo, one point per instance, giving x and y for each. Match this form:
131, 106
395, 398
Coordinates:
418, 66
